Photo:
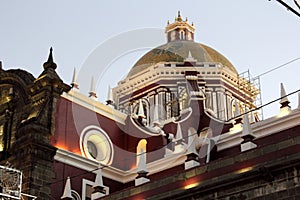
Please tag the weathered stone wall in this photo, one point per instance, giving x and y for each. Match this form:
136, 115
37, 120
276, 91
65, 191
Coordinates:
28, 109
285, 185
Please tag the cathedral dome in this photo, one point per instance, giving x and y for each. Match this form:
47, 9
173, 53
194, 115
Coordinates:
178, 51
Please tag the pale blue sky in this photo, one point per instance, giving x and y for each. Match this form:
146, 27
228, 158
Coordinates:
253, 34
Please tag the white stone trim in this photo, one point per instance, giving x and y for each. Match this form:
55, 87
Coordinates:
95, 106
247, 146
84, 183
227, 140
260, 129
191, 164
160, 71
143, 130
100, 133
110, 172
140, 181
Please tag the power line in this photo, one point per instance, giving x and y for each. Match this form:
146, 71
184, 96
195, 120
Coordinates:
267, 72
297, 4
266, 104
162, 146
289, 7
103, 166
278, 67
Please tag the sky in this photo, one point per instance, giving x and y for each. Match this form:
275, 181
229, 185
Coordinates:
255, 35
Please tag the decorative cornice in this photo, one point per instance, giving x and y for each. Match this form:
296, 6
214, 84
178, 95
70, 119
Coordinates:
260, 129
86, 164
161, 71
95, 106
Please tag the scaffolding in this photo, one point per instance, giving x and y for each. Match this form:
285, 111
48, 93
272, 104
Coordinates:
252, 85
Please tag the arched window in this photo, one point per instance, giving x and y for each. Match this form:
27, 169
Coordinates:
183, 98
233, 108
141, 147
184, 101
182, 36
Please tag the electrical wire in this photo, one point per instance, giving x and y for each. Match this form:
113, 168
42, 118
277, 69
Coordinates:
266, 104
229, 120
186, 137
278, 67
288, 7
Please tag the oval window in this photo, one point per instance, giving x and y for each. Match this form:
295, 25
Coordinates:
95, 144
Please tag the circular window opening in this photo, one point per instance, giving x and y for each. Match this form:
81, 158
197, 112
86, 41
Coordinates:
98, 146
95, 144
92, 148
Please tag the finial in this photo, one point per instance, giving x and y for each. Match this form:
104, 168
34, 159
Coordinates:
178, 133
186, 19
190, 58
190, 55
0, 65
142, 167
246, 126
99, 188
247, 136
109, 100
92, 84
284, 100
98, 185
141, 112
67, 195
168, 22
74, 80
192, 23
285, 108
98, 180
93, 90
178, 18
50, 63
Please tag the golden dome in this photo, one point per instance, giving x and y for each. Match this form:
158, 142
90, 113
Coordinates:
177, 51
